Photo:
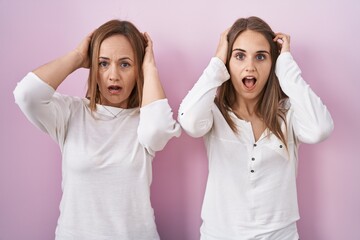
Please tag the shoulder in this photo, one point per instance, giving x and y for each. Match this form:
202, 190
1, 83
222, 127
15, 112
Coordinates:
71, 102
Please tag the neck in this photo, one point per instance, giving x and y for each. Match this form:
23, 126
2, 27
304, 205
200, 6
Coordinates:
103, 101
245, 109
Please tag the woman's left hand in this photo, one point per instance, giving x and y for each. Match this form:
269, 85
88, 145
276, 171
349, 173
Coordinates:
152, 89
283, 41
149, 59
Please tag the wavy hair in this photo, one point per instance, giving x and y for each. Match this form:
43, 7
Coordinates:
270, 105
138, 44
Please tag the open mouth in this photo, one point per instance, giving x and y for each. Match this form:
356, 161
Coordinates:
249, 82
113, 89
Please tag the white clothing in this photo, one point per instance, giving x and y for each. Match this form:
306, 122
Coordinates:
258, 233
106, 161
251, 187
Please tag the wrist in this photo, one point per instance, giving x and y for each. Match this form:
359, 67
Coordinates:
149, 68
77, 58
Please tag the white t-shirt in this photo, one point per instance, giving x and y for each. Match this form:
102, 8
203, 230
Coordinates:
251, 187
106, 161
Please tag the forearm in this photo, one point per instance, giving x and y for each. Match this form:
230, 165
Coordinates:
55, 72
152, 89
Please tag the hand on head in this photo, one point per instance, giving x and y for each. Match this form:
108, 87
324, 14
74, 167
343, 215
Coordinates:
83, 49
283, 41
222, 49
149, 59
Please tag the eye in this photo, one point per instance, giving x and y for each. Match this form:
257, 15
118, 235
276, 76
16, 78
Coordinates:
260, 57
125, 64
240, 56
103, 64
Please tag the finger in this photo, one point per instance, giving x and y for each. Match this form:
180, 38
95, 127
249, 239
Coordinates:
278, 38
149, 54
90, 35
224, 35
283, 41
281, 36
226, 32
148, 39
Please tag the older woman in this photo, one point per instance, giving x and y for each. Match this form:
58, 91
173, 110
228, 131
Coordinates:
108, 139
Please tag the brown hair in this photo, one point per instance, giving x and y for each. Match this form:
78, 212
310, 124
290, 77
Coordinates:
138, 44
269, 107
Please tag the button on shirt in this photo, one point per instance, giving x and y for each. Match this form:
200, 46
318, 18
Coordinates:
252, 184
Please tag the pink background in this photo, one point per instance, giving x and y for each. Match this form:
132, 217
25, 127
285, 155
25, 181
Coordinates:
325, 42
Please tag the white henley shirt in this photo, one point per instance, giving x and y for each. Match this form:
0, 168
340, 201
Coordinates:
251, 187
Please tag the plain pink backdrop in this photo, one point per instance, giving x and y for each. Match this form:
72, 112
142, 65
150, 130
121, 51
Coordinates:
325, 41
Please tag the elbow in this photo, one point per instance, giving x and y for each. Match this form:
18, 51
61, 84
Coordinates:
192, 132
22, 98
194, 128
325, 130
19, 98
319, 134
157, 138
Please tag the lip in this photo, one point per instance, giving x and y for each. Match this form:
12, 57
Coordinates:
114, 89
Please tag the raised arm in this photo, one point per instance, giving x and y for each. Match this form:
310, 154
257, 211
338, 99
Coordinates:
312, 121
157, 125
153, 89
195, 112
55, 72
36, 96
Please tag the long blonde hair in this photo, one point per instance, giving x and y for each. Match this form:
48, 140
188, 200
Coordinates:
269, 107
138, 44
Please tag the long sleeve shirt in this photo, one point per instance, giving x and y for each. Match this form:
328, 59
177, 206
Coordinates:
251, 187
106, 161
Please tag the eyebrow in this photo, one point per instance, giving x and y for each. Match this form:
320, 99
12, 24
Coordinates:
242, 50
120, 59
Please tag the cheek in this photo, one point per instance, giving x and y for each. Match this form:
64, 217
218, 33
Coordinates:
235, 67
235, 75
266, 71
236, 81
130, 81
131, 84
129, 88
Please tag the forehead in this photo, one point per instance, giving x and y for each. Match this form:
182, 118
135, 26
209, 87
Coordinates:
116, 45
251, 41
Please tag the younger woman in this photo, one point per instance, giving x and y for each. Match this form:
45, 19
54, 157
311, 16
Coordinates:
253, 109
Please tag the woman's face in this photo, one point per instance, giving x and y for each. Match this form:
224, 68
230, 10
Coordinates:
117, 71
250, 65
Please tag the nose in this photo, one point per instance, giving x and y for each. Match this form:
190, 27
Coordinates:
250, 66
114, 73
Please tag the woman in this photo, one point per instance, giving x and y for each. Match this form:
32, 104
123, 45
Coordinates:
108, 139
253, 109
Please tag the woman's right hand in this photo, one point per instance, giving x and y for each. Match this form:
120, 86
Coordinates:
83, 51
223, 46
283, 41
55, 72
